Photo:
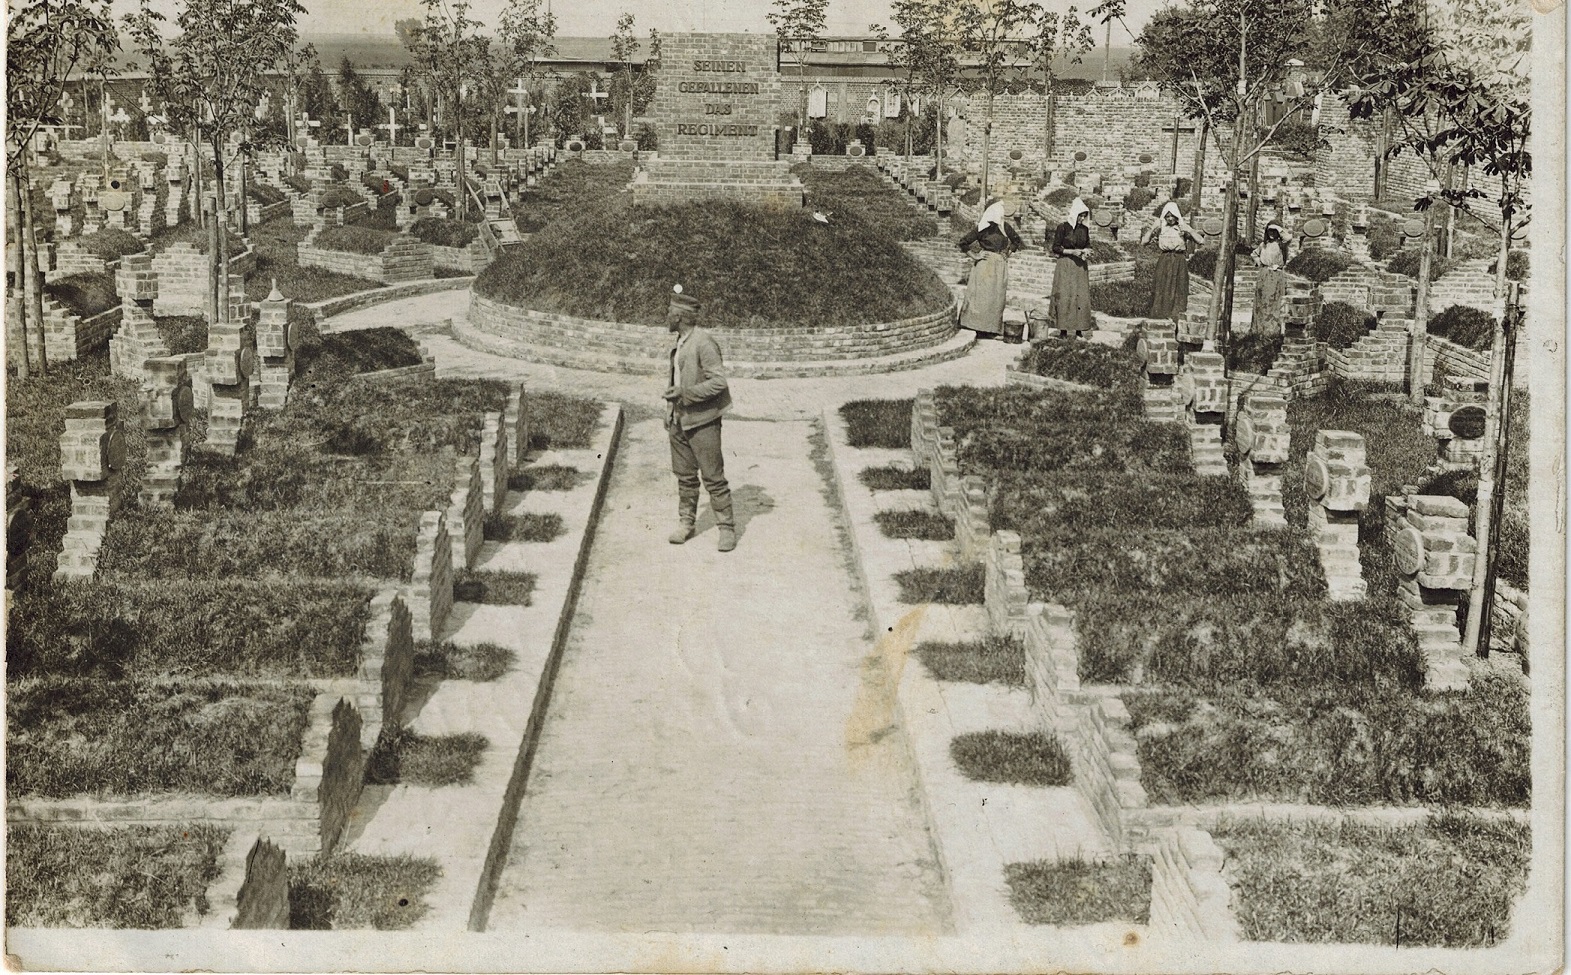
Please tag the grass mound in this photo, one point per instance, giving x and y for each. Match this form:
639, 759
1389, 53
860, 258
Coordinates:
751, 266
146, 877
921, 525
1033, 758
86, 293
1078, 892
352, 891
860, 190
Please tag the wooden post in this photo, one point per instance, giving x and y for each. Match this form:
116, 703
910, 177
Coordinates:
1420, 327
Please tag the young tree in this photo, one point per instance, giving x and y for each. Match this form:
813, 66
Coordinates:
46, 41
1055, 36
358, 100
211, 75
449, 41
527, 35
632, 90
316, 94
996, 33
798, 23
927, 54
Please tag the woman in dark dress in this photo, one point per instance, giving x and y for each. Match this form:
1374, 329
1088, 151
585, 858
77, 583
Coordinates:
1071, 244
988, 284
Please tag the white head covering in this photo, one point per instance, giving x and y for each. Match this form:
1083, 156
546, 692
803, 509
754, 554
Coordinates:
1279, 231
993, 214
1172, 207
1076, 209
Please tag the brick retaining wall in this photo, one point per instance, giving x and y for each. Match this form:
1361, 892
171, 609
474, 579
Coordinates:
183, 278
622, 346
405, 259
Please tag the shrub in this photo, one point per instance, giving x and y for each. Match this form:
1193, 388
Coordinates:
272, 630
338, 172
1253, 353
923, 525
86, 293
445, 233
264, 194
1407, 261
1339, 324
112, 243
70, 737
1318, 264
1298, 137
1451, 881
355, 239
1073, 892
1385, 237
960, 585
1518, 265
352, 891
182, 334
1471, 328
145, 877
1062, 196
1137, 199
881, 423
995, 660
1034, 758
1083, 362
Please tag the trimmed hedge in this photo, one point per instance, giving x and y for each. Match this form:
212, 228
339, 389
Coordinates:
445, 233
355, 239
1471, 328
215, 628
1518, 265
1087, 363
1319, 264
1407, 262
1214, 640
71, 737
1339, 324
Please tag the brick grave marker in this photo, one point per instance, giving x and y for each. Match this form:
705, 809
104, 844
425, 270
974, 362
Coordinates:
716, 100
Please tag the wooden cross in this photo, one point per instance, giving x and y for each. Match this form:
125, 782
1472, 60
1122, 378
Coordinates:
145, 102
391, 125
595, 92
522, 97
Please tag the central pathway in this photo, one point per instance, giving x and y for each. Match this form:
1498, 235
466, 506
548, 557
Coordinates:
721, 751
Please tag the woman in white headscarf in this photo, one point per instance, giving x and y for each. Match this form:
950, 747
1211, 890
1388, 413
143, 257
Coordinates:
1071, 244
990, 244
1270, 311
1170, 283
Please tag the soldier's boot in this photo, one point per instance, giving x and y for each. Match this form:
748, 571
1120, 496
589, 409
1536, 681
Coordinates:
687, 516
725, 522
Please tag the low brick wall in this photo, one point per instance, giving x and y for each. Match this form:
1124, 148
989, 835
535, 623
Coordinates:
183, 278
515, 423
1189, 897
331, 769
471, 259
621, 346
1106, 771
73, 258
1458, 360
387, 663
466, 514
430, 593
263, 900
495, 464
962, 499
256, 213
1005, 590
66, 336
376, 296
405, 259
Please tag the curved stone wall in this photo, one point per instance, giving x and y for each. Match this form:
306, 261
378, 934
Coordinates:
624, 347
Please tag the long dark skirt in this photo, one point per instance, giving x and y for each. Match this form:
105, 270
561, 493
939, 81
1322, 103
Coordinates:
985, 292
1072, 296
1270, 311
1170, 286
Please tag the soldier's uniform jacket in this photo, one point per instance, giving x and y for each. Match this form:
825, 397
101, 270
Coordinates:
698, 372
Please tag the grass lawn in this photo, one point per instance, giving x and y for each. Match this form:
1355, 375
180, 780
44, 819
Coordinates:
547, 477
495, 588
1076, 892
960, 585
570, 185
1035, 758
608, 260
562, 422
862, 191
449, 661
994, 660
1451, 882
402, 756
1087, 363
124, 877
893, 477
529, 527
923, 525
883, 423
354, 892
274, 242
71, 737
182, 334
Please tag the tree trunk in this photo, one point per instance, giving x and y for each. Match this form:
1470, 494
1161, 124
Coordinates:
213, 235
1227, 252
198, 211
1419, 330
1448, 233
1050, 102
13, 295
495, 138
987, 148
32, 286
1480, 599
245, 217
938, 140
1200, 166
221, 259
1382, 143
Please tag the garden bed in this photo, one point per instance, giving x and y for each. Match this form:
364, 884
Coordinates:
995, 660
84, 294
1086, 363
881, 423
85, 737
274, 242
146, 877
1450, 882
1077, 892
894, 477
352, 891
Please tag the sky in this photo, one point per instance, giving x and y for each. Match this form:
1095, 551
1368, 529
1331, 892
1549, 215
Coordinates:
597, 18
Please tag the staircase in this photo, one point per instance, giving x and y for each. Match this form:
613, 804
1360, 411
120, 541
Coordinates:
1379, 356
1205, 450
1470, 284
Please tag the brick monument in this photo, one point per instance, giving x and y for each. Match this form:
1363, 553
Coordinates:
717, 97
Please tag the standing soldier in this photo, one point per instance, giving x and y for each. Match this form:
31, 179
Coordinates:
697, 397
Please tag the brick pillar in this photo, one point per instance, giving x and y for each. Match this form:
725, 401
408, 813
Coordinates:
1435, 558
174, 203
1158, 348
275, 345
1358, 236
1201, 389
62, 193
137, 338
92, 456
1337, 480
239, 306
1455, 419
230, 360
167, 392
1262, 437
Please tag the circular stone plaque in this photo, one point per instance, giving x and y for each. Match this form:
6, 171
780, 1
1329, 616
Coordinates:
1467, 423
1211, 227
1314, 227
1317, 480
114, 451
1080, 157
1145, 157
1142, 351
362, 140
183, 402
1102, 218
1409, 551
1413, 227
246, 362
424, 197
1244, 435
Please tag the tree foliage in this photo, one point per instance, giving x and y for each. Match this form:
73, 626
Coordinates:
359, 101
46, 40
